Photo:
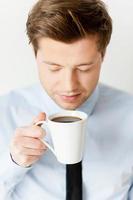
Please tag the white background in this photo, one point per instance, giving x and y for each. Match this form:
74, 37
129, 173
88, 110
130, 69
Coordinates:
17, 62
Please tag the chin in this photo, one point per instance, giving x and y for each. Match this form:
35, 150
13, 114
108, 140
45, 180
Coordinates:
68, 106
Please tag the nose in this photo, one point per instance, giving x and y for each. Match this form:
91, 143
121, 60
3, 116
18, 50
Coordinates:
70, 81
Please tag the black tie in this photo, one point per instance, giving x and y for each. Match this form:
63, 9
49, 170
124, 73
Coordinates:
74, 181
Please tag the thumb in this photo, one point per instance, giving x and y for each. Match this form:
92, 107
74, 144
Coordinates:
40, 117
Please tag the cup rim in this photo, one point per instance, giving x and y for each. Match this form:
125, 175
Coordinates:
73, 113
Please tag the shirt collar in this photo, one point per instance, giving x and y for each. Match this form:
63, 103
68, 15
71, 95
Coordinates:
51, 107
89, 104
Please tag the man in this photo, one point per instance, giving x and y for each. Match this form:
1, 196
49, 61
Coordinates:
69, 39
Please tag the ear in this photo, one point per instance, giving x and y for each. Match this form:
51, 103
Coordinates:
38, 56
103, 54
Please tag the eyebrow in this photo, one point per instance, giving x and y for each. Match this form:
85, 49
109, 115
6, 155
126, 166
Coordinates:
78, 65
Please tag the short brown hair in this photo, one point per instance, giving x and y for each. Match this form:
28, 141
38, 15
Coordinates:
68, 21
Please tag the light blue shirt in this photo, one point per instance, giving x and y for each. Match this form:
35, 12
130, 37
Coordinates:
108, 157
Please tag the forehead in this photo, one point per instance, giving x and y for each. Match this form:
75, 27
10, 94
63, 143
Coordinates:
56, 50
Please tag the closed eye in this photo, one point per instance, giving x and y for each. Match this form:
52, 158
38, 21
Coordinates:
85, 68
54, 68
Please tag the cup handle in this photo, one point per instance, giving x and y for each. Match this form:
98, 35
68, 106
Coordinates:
46, 143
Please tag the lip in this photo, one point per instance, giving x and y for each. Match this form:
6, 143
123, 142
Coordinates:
69, 98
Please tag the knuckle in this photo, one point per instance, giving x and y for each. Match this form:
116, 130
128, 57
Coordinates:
39, 145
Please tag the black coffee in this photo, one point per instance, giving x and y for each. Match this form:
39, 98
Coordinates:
66, 119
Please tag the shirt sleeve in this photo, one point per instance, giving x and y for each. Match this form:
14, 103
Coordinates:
11, 174
15, 111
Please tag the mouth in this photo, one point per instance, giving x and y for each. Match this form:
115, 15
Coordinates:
71, 98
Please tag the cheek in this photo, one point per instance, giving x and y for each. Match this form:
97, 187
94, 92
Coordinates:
48, 79
90, 79
95, 75
96, 72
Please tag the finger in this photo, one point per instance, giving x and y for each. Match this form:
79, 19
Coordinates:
40, 117
31, 131
32, 143
31, 152
27, 161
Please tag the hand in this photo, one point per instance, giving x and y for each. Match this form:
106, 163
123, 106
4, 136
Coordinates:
26, 148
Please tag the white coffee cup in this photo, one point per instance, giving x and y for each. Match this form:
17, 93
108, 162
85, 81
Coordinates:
67, 137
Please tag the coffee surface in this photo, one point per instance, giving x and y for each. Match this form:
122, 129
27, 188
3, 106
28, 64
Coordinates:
66, 119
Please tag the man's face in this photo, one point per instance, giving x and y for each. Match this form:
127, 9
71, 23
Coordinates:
69, 72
